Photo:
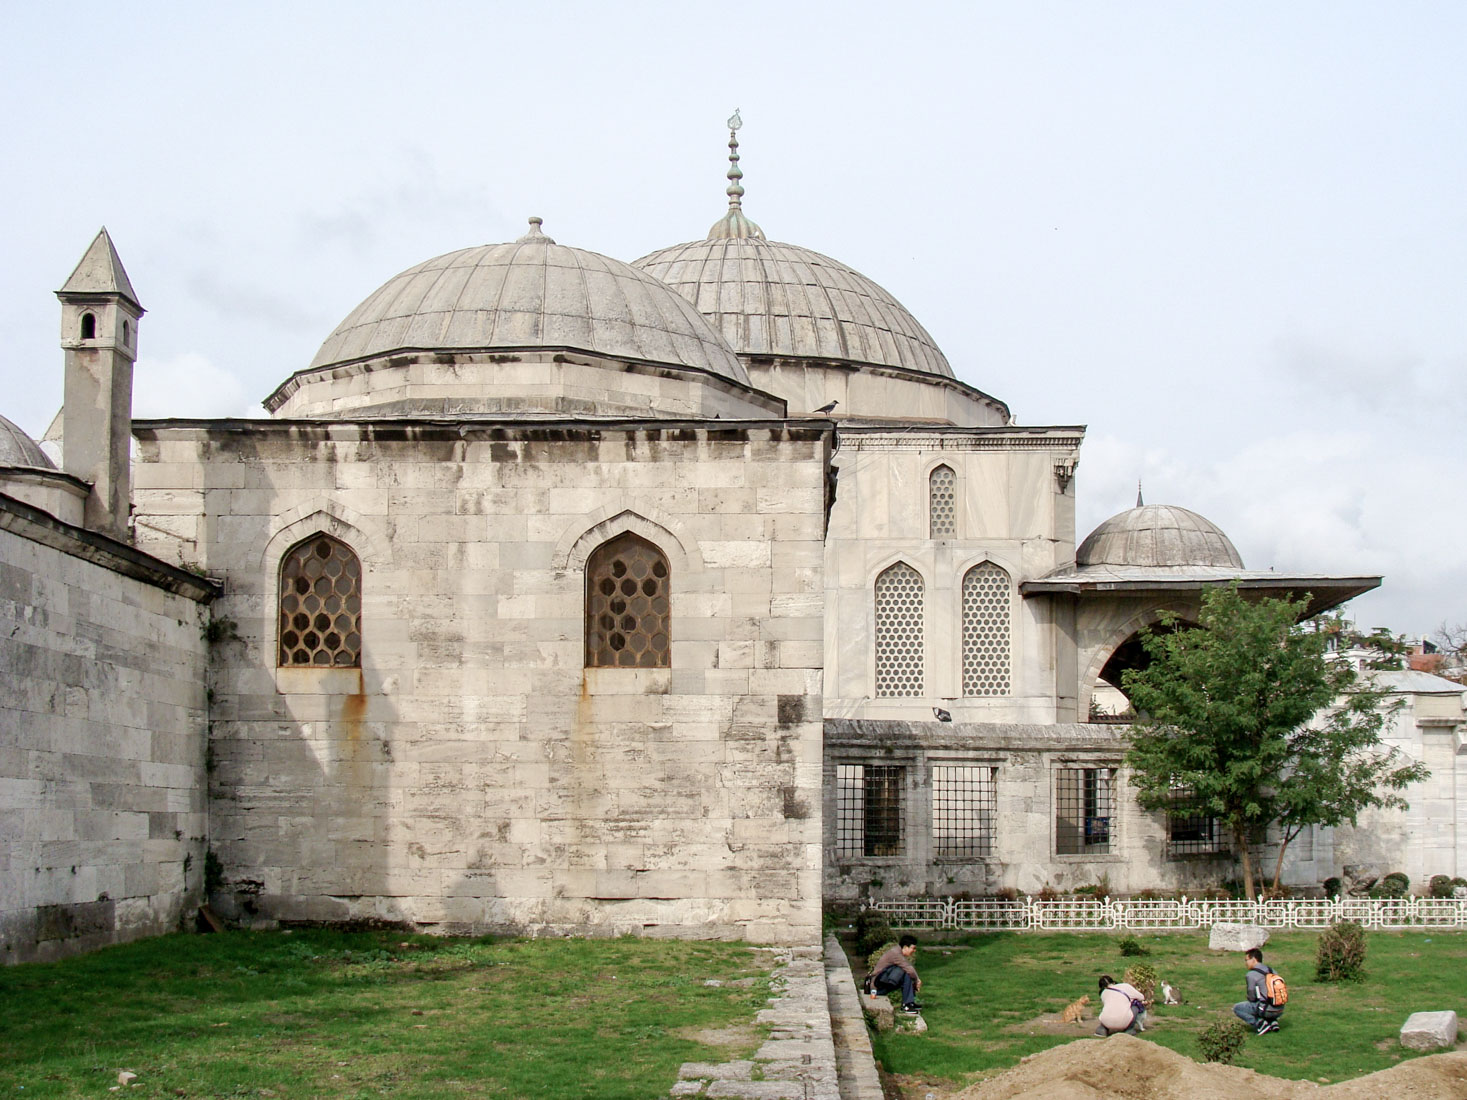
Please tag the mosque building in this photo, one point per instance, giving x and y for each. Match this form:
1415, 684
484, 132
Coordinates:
570, 596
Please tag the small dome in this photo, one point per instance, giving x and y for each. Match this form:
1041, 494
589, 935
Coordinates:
1158, 536
769, 298
530, 293
19, 449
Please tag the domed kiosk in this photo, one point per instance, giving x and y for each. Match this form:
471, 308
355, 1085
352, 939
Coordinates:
812, 329
529, 326
27, 474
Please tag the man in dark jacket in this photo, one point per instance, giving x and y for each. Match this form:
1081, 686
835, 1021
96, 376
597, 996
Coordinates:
1258, 1011
894, 970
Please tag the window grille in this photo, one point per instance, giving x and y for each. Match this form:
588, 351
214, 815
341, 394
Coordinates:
899, 593
987, 613
942, 486
1082, 811
1189, 830
964, 809
321, 605
628, 606
868, 810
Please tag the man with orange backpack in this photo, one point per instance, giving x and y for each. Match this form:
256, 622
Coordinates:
1266, 995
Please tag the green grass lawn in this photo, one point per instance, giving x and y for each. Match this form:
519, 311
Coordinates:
979, 997
329, 1014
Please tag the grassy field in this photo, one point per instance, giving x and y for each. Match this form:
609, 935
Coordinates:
324, 1014
983, 994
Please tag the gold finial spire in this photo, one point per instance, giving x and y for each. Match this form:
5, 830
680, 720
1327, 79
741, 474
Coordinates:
734, 224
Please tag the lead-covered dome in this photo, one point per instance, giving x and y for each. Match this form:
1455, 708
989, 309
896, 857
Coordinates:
530, 293
1158, 536
770, 298
19, 449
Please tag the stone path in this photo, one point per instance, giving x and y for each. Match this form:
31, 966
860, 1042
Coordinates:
799, 1059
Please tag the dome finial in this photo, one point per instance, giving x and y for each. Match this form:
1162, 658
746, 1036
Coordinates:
1139, 502
734, 224
534, 236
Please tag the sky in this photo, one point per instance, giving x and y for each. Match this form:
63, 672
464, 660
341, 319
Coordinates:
1230, 238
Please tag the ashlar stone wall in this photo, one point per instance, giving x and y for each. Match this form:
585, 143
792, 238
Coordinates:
102, 739
473, 774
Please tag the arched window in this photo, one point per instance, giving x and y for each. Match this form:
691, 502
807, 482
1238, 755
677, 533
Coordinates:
320, 605
987, 611
942, 486
126, 334
899, 592
89, 326
628, 605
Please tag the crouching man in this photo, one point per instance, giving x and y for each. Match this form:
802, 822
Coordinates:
894, 970
1265, 992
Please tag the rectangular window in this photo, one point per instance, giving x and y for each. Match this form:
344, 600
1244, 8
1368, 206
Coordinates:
868, 810
964, 808
1189, 831
1082, 811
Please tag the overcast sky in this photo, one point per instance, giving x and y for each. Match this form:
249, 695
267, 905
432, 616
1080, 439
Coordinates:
1229, 238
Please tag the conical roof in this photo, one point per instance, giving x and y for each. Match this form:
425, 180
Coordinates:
101, 272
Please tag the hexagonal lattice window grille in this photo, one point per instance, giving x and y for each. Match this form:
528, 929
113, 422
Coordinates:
628, 606
899, 593
942, 487
321, 605
987, 611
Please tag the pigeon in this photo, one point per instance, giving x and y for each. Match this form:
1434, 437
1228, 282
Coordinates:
942, 715
828, 407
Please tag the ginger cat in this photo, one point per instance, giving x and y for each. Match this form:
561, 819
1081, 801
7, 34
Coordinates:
1075, 1012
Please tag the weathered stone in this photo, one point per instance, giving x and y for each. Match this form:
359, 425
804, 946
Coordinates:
1429, 1030
1226, 936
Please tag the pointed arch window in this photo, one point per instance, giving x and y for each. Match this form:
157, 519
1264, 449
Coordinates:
899, 599
88, 326
942, 503
628, 605
320, 605
987, 615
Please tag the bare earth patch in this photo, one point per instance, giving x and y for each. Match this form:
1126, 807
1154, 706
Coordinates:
1124, 1068
730, 1040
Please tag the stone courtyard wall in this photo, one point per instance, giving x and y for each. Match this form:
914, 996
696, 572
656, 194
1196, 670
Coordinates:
473, 775
102, 734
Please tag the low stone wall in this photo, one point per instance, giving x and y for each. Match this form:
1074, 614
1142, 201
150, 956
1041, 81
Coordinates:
102, 735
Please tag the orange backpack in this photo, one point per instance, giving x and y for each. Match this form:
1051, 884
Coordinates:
1275, 990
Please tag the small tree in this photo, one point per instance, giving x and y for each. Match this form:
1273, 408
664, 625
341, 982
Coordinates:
1226, 711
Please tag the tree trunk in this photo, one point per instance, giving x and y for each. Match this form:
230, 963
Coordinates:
1245, 853
1278, 868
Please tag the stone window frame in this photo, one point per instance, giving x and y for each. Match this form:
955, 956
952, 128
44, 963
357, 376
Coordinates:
917, 630
596, 608
984, 803
288, 607
932, 500
1090, 850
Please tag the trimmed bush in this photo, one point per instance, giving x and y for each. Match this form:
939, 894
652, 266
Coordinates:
1394, 885
1131, 947
1144, 978
1333, 886
1340, 956
1441, 886
1221, 1041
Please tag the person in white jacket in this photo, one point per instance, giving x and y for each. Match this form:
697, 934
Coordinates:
1122, 1008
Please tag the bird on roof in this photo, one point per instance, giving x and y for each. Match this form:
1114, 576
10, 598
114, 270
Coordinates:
941, 715
828, 407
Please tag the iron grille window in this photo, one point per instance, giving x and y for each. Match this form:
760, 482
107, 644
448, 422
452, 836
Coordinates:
868, 810
942, 486
320, 605
628, 606
1189, 830
1082, 811
899, 593
987, 611
964, 808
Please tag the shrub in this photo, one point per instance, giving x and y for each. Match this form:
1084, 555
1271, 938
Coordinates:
1441, 886
1333, 886
1048, 893
1340, 956
873, 932
1131, 947
1394, 885
1144, 978
1221, 1041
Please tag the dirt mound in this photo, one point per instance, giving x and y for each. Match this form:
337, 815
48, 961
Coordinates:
1123, 1068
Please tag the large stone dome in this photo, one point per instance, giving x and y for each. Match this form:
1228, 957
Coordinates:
1158, 536
530, 293
769, 298
19, 449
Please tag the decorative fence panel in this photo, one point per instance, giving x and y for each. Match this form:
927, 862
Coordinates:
1166, 914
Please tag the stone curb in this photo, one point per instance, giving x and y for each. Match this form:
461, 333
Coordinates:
854, 1060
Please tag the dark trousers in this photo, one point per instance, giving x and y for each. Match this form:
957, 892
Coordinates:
894, 977
1250, 1012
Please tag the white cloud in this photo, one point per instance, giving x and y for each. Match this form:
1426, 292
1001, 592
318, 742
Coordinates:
187, 385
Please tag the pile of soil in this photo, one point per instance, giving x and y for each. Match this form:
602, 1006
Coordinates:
1123, 1068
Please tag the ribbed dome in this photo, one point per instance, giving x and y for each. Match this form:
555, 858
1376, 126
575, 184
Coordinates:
19, 449
531, 293
1158, 535
769, 298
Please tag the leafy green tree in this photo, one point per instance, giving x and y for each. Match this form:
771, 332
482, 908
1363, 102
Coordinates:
1243, 718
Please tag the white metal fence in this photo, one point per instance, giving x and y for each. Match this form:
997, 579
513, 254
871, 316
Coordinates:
1167, 914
